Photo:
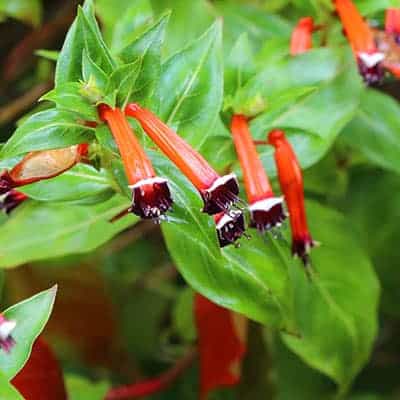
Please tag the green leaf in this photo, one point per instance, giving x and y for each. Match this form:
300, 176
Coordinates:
367, 7
372, 204
83, 182
199, 13
252, 280
239, 65
68, 229
94, 43
375, 130
79, 388
123, 20
31, 316
191, 87
69, 63
48, 129
337, 311
68, 97
8, 391
146, 48
93, 74
122, 82
311, 121
29, 11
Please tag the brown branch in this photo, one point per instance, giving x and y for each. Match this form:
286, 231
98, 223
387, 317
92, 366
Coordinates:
148, 387
19, 105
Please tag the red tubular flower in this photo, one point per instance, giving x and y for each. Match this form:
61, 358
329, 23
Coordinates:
230, 227
222, 345
291, 182
151, 196
6, 327
361, 38
39, 165
392, 23
266, 209
301, 39
11, 200
219, 193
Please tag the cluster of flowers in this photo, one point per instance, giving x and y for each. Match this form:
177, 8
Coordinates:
374, 50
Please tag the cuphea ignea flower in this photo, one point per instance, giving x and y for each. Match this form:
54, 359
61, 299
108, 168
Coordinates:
301, 39
219, 193
6, 328
39, 165
222, 345
11, 199
266, 210
291, 182
230, 227
151, 197
361, 38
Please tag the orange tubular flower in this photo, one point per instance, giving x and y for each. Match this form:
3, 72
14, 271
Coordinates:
361, 38
219, 193
266, 209
291, 182
301, 39
39, 165
230, 227
151, 196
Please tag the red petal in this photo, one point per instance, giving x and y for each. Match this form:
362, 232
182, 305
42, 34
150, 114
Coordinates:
41, 378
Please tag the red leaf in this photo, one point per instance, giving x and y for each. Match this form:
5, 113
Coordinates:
222, 345
41, 378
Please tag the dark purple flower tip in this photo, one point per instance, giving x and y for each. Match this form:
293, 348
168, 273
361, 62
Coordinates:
301, 248
230, 227
370, 67
151, 198
11, 199
6, 183
267, 214
221, 195
6, 340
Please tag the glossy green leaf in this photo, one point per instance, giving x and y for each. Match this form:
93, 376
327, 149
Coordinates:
31, 316
81, 183
147, 49
200, 14
191, 87
375, 130
123, 81
313, 121
123, 20
48, 129
68, 97
93, 74
69, 63
29, 11
79, 388
372, 204
64, 229
337, 311
94, 43
252, 280
7, 391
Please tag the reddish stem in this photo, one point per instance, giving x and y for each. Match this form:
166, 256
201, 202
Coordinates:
151, 386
